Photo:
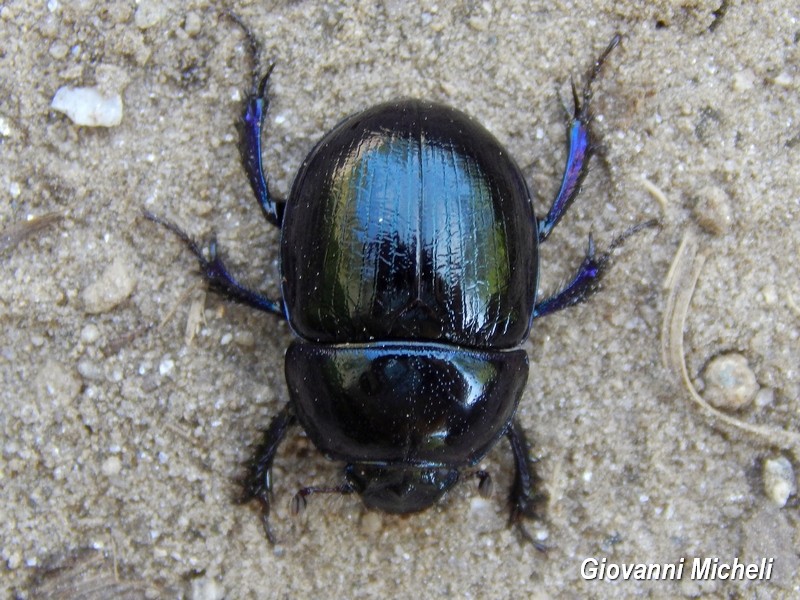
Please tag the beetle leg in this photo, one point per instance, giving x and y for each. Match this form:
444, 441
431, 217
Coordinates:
258, 482
216, 273
583, 284
523, 498
250, 128
586, 280
580, 148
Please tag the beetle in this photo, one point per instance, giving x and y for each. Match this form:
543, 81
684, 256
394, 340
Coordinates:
409, 262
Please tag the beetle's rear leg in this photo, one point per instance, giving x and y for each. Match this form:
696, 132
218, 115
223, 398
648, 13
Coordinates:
250, 128
216, 273
586, 280
524, 499
257, 483
580, 148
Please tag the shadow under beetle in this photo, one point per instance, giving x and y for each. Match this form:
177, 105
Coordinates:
409, 261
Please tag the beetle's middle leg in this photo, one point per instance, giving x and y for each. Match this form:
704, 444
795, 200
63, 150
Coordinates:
586, 280
580, 148
216, 273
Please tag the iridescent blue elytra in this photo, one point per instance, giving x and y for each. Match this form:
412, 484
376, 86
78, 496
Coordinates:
409, 263
409, 221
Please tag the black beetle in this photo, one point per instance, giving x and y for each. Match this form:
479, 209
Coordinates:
409, 258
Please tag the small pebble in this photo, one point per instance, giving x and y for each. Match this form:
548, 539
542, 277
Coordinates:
744, 80
166, 366
779, 481
91, 371
88, 106
115, 284
478, 23
784, 79
192, 24
5, 127
14, 561
244, 338
149, 13
58, 383
111, 466
712, 210
90, 333
765, 397
730, 383
58, 49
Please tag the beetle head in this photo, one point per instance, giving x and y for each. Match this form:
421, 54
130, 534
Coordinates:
400, 489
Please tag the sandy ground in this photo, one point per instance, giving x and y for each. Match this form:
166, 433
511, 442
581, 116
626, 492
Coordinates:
122, 437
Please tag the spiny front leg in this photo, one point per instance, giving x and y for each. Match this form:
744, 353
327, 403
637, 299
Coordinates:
580, 148
251, 126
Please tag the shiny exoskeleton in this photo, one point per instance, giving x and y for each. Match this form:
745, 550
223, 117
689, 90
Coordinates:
409, 259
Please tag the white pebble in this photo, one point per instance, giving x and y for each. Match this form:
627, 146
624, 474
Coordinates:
784, 79
779, 481
88, 106
149, 13
192, 24
90, 370
5, 127
166, 366
111, 466
765, 397
744, 80
90, 333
